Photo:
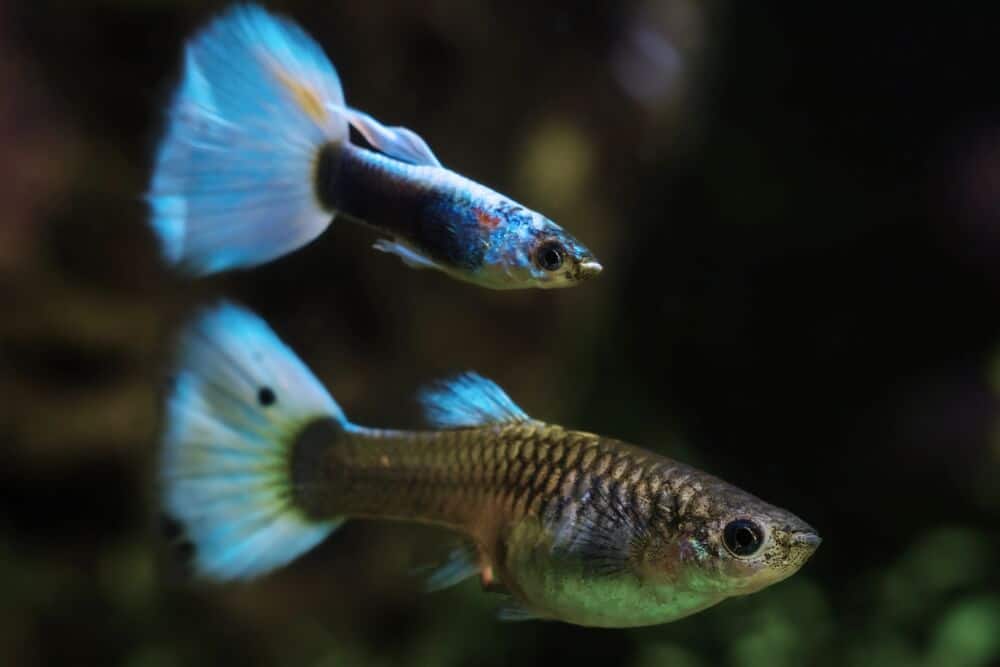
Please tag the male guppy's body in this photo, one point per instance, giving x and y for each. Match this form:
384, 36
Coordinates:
574, 526
257, 160
438, 217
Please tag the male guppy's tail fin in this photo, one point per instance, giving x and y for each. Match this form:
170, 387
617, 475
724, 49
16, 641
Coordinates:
239, 399
234, 184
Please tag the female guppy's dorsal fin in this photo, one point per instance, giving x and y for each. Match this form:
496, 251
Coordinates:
397, 142
468, 400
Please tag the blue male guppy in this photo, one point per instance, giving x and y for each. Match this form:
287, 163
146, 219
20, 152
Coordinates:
257, 161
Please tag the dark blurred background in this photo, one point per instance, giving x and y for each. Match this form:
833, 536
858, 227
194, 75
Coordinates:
798, 209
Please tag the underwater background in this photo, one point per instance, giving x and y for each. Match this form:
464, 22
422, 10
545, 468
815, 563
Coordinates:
798, 212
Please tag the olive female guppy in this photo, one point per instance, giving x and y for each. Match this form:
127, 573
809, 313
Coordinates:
259, 464
257, 160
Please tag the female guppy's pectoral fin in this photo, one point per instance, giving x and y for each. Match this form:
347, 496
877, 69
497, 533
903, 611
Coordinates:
602, 539
410, 257
396, 142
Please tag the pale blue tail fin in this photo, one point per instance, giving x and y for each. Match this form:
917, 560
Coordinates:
239, 399
234, 185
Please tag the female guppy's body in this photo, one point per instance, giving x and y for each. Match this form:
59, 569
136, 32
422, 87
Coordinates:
260, 464
560, 519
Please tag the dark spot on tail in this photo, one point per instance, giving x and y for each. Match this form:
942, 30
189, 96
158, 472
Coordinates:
266, 396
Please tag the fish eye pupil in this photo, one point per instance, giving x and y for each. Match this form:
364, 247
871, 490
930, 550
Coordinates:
265, 396
550, 257
743, 537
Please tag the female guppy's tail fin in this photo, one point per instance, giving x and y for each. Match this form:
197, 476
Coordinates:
239, 399
233, 183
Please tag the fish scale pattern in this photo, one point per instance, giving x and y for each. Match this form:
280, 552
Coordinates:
495, 474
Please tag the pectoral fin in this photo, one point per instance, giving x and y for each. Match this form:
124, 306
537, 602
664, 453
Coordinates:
410, 257
603, 536
397, 142
513, 611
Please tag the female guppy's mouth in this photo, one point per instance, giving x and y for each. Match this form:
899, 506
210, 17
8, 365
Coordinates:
808, 538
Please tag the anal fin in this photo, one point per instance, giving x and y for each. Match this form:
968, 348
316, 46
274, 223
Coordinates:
461, 565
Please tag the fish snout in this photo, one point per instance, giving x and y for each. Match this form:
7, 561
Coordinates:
807, 538
588, 269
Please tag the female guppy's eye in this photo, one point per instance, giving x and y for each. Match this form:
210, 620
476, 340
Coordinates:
743, 537
550, 256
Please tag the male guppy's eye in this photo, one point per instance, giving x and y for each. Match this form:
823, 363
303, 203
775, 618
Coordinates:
550, 256
743, 537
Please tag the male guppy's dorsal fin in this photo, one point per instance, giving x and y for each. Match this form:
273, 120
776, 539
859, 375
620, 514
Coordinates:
396, 142
468, 400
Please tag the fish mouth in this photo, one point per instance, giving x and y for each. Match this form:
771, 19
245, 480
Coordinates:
588, 269
807, 538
